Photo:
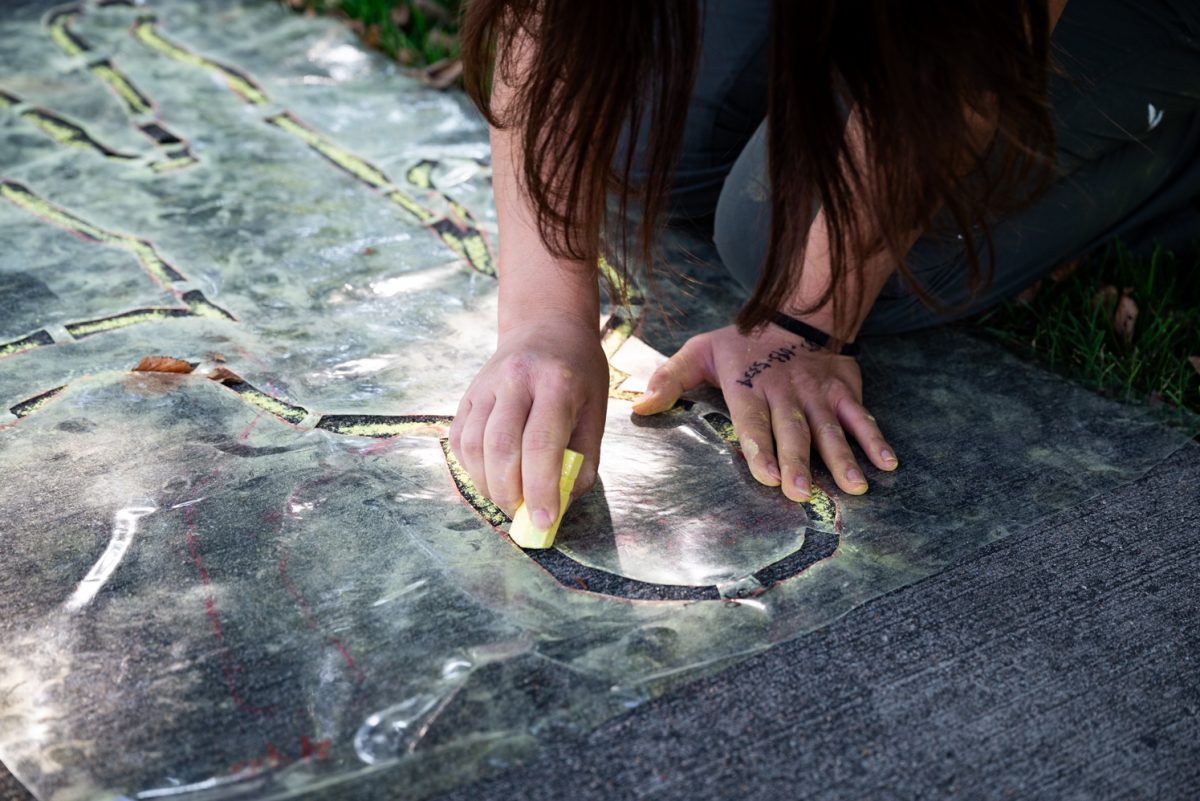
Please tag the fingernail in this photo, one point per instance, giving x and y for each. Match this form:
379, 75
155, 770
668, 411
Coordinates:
855, 476
773, 472
803, 486
887, 455
541, 519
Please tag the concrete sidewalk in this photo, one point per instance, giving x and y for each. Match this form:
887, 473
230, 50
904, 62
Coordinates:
1059, 663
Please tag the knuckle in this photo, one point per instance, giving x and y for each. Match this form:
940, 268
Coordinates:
503, 443
794, 459
798, 423
559, 380
472, 445
830, 431
540, 441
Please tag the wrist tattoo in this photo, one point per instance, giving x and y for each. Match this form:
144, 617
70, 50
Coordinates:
781, 355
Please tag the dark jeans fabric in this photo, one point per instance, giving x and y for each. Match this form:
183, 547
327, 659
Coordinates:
1127, 111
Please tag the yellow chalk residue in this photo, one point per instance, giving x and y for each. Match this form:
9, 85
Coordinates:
477, 254
147, 255
32, 407
286, 411
58, 132
114, 323
420, 175
32, 203
394, 429
20, 346
454, 242
145, 32
627, 291
344, 159
58, 32
820, 507
423, 215
173, 164
206, 309
462, 479
124, 89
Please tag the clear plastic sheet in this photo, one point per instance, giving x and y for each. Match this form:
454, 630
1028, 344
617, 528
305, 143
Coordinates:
266, 577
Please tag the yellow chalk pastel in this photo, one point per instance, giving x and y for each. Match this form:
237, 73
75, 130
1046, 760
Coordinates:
523, 532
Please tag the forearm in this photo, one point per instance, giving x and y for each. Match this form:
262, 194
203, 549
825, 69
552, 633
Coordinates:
861, 285
534, 283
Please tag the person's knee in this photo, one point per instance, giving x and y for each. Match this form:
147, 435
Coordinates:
741, 254
741, 227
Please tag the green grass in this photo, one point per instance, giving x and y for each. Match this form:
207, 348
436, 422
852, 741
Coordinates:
1068, 326
415, 33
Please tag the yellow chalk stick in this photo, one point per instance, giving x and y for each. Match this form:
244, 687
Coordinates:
523, 532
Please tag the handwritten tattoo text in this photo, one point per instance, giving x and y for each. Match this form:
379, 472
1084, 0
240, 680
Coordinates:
781, 355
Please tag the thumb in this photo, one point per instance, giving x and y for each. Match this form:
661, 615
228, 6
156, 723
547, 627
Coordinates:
687, 369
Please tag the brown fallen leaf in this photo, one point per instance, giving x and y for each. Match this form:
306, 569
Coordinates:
1029, 293
372, 36
216, 356
224, 374
441, 74
1194, 361
163, 364
1064, 271
1125, 317
1105, 298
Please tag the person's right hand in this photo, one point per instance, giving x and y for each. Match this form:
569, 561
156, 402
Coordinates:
544, 390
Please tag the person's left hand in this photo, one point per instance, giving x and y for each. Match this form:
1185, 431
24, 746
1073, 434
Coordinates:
784, 398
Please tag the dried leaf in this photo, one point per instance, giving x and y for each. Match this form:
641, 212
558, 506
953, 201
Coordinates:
1194, 361
163, 364
216, 356
372, 36
224, 374
1105, 298
1028, 294
1125, 318
441, 74
1064, 271
401, 15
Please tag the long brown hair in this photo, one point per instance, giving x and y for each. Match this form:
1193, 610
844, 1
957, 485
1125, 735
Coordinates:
919, 75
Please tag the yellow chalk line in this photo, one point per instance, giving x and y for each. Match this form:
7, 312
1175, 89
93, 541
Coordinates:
360, 169
88, 328
60, 33
465, 242
34, 340
144, 30
36, 403
462, 479
135, 101
142, 250
268, 403
68, 134
384, 428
